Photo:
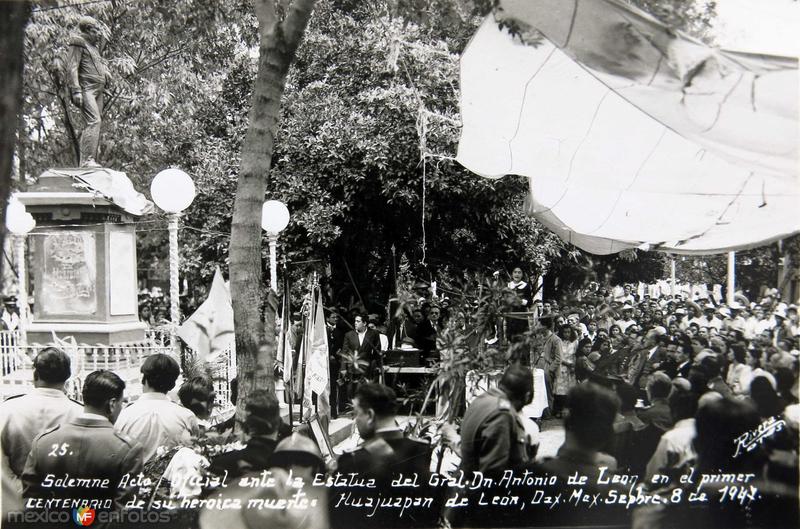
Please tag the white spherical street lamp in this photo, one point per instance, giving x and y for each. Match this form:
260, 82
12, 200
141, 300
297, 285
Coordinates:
173, 191
19, 222
274, 219
274, 216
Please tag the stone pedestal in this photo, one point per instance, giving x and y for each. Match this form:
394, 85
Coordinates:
83, 257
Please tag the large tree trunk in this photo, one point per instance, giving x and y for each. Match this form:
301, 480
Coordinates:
255, 349
13, 18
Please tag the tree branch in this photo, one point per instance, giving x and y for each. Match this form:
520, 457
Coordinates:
295, 23
266, 14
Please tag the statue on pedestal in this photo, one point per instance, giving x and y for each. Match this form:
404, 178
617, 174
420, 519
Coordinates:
88, 77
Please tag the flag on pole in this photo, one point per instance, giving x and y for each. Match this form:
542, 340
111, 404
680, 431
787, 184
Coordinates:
285, 352
317, 377
209, 331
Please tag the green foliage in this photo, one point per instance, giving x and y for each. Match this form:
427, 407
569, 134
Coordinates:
368, 96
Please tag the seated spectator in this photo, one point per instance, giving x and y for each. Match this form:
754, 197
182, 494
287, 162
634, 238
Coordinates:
675, 446
154, 420
766, 400
626, 426
717, 423
299, 455
261, 425
785, 380
658, 413
23, 417
711, 366
588, 427
197, 394
92, 450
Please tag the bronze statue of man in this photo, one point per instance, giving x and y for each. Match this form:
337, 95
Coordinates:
88, 77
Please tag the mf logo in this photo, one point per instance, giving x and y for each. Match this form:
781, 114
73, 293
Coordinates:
83, 516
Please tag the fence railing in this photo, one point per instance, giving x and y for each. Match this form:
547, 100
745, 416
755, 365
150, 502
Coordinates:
10, 360
16, 361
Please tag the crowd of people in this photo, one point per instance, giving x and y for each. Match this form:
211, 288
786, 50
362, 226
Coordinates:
647, 388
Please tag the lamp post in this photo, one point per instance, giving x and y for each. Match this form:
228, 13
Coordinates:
274, 219
19, 222
173, 191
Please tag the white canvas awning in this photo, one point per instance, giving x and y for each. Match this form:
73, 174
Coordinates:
632, 136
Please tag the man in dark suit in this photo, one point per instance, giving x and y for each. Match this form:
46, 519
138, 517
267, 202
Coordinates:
336, 332
658, 413
262, 423
647, 359
94, 461
366, 342
387, 454
678, 360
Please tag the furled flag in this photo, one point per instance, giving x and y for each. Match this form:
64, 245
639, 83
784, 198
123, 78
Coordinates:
209, 331
286, 338
317, 376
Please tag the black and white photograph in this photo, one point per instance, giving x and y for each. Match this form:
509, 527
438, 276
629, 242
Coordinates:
384, 264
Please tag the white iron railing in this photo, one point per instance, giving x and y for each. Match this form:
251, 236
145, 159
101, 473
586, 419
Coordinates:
16, 362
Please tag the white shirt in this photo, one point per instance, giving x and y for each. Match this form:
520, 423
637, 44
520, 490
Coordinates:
361, 336
22, 419
674, 448
155, 421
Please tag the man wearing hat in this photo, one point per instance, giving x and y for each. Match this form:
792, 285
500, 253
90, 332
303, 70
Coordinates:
627, 317
709, 319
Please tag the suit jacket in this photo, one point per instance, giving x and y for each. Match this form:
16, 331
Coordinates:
658, 415
383, 458
549, 358
369, 350
643, 364
86, 447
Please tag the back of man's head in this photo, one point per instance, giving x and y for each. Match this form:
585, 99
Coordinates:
683, 404
263, 413
592, 410
51, 366
517, 384
160, 372
711, 366
659, 386
197, 394
719, 423
377, 397
101, 386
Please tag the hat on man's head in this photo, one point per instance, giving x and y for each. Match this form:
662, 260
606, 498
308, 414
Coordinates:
681, 311
627, 307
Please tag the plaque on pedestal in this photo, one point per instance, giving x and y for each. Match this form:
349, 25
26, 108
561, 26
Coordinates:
83, 256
